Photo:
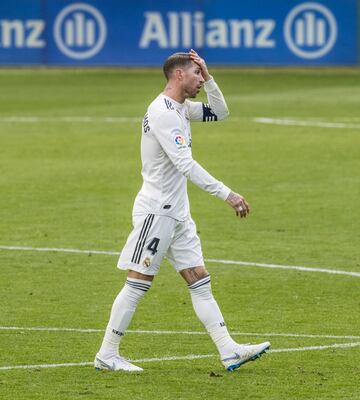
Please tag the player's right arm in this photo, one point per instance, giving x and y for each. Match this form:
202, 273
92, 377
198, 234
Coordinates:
216, 109
167, 130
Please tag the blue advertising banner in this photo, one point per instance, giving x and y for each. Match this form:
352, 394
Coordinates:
144, 33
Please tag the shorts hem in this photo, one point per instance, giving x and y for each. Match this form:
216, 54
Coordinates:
193, 265
138, 268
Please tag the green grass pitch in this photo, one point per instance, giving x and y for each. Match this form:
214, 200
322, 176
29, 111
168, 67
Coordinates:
70, 184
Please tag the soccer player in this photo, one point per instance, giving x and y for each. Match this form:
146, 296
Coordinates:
162, 224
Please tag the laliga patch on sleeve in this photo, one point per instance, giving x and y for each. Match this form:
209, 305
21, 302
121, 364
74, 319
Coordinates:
180, 141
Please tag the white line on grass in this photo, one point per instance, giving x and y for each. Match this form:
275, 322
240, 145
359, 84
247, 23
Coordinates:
209, 260
310, 348
167, 332
80, 119
188, 357
59, 250
46, 365
314, 124
344, 123
119, 120
291, 267
267, 334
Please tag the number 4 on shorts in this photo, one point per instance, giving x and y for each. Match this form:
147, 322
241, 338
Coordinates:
153, 246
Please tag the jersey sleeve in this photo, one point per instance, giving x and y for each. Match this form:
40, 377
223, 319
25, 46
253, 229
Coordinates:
216, 108
168, 132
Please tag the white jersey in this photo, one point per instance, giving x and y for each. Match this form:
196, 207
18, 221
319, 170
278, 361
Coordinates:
166, 154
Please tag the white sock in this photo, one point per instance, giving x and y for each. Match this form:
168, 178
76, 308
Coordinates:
208, 311
121, 314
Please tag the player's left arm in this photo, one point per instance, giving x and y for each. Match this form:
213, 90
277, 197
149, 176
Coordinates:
216, 109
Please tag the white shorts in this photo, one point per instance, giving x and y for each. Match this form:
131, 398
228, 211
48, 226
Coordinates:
155, 237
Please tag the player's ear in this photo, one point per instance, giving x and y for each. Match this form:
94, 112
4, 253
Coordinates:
179, 74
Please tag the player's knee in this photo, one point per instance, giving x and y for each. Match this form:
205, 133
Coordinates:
194, 274
138, 275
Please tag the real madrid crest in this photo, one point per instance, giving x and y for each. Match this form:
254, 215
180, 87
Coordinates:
146, 262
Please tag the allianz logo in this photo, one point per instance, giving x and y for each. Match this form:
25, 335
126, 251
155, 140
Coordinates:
309, 31
80, 30
185, 29
20, 34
